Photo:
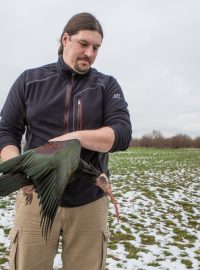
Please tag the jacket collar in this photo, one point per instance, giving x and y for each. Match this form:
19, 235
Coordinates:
65, 70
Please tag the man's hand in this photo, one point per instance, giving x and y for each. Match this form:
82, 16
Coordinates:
28, 189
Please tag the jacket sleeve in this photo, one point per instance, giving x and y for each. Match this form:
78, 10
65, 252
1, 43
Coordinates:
12, 123
116, 115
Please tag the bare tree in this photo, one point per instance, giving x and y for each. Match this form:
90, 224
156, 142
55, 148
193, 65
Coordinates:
196, 142
156, 139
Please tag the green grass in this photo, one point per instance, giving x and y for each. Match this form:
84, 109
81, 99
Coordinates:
158, 194
165, 187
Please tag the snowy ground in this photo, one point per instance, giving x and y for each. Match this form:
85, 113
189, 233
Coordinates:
158, 193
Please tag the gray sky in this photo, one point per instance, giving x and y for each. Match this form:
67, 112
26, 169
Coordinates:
152, 47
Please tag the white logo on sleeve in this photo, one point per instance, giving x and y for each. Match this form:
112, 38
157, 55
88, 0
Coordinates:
116, 95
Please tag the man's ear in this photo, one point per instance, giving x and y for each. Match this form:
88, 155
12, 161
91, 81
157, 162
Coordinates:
65, 38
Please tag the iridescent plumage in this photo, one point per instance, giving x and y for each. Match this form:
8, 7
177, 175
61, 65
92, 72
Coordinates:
49, 168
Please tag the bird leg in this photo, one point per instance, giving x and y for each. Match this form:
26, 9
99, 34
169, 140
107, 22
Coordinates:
103, 182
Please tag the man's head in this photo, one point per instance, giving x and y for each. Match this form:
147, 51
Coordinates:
80, 41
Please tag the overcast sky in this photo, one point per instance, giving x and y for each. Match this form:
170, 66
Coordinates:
152, 47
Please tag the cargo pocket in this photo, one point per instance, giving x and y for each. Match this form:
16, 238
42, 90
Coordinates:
13, 236
106, 236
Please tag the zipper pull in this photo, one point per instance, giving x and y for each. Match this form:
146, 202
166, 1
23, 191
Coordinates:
72, 79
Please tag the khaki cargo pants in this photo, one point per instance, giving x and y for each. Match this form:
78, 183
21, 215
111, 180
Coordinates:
84, 237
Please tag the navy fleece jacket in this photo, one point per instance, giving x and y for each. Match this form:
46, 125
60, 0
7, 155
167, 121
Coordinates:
51, 100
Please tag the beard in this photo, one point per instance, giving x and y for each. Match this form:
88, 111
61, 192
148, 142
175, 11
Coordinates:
81, 68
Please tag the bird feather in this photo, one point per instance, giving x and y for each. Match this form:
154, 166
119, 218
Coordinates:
48, 168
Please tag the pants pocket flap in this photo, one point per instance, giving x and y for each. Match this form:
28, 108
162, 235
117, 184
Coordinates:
13, 234
106, 234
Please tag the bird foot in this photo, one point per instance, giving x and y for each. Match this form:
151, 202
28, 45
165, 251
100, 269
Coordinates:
29, 197
103, 182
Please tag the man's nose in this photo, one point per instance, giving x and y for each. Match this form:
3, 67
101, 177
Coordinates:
89, 51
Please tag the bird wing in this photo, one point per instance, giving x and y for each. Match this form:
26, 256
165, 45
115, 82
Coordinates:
10, 180
9, 183
13, 163
48, 168
63, 164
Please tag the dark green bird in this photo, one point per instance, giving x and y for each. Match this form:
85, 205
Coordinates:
50, 168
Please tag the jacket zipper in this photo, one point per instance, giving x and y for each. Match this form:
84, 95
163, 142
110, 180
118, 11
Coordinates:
67, 104
79, 115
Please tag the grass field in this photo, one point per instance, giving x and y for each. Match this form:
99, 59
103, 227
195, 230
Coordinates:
158, 193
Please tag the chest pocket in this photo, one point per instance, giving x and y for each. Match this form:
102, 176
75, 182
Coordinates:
88, 109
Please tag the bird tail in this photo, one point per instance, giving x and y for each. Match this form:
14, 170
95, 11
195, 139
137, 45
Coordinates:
10, 183
87, 168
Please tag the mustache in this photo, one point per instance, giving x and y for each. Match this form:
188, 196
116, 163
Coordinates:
85, 58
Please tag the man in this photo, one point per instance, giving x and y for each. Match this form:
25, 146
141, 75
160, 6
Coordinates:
62, 101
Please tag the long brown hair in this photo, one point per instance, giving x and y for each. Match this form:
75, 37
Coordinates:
80, 21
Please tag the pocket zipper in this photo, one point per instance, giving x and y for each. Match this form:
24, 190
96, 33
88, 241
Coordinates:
79, 115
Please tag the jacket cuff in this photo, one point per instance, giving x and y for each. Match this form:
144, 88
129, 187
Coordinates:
122, 138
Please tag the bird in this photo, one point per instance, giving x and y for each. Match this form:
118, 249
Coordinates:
50, 168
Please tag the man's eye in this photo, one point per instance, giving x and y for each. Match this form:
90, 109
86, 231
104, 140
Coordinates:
83, 44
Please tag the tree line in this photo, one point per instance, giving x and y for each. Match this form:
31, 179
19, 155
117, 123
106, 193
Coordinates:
156, 139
